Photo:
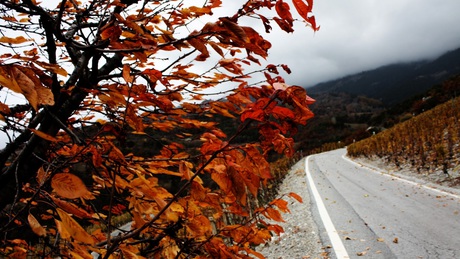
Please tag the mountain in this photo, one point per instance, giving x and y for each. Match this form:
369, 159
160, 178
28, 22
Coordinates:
394, 83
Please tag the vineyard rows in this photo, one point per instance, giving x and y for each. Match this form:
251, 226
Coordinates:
428, 142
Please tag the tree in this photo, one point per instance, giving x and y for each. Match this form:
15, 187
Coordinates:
95, 73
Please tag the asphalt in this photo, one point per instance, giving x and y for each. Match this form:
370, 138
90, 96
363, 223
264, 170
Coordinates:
379, 216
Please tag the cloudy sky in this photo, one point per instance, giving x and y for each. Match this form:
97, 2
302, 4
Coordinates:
358, 35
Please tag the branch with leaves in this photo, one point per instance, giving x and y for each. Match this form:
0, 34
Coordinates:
118, 117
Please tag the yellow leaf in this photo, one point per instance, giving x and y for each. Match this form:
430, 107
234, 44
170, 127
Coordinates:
44, 135
74, 229
62, 230
130, 255
7, 81
17, 40
80, 251
44, 95
25, 81
69, 186
27, 86
35, 226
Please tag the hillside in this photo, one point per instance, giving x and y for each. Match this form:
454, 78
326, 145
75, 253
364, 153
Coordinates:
394, 83
344, 117
428, 142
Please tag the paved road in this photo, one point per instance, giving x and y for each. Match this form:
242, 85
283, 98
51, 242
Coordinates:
376, 216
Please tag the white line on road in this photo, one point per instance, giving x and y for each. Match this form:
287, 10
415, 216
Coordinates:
401, 179
336, 242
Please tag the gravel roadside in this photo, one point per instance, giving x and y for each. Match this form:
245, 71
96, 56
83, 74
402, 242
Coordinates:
300, 239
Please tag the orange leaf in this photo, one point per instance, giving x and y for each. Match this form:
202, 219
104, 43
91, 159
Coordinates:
127, 74
74, 229
26, 85
130, 255
274, 214
111, 32
44, 95
71, 208
64, 234
4, 109
24, 80
281, 204
44, 135
296, 196
216, 48
17, 40
69, 186
52, 67
222, 180
7, 81
42, 175
199, 45
276, 228
35, 225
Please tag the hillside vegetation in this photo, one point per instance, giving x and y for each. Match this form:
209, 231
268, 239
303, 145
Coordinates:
428, 142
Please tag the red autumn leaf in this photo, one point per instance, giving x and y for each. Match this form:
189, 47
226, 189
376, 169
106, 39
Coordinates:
283, 25
296, 196
282, 113
302, 8
266, 23
286, 68
222, 180
276, 228
272, 69
198, 44
258, 115
234, 28
274, 214
281, 204
312, 21
282, 9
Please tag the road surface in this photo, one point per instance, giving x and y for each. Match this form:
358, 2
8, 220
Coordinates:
368, 214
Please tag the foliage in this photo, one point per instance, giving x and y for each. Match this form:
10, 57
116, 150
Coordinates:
427, 141
95, 73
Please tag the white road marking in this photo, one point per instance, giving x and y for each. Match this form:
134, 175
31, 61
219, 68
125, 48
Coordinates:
401, 179
336, 242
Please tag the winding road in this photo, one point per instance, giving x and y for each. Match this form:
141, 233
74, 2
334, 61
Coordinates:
362, 213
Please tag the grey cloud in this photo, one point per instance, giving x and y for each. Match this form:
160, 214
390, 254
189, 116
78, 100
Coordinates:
358, 35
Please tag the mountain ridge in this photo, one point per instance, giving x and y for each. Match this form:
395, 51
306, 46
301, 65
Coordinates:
394, 83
